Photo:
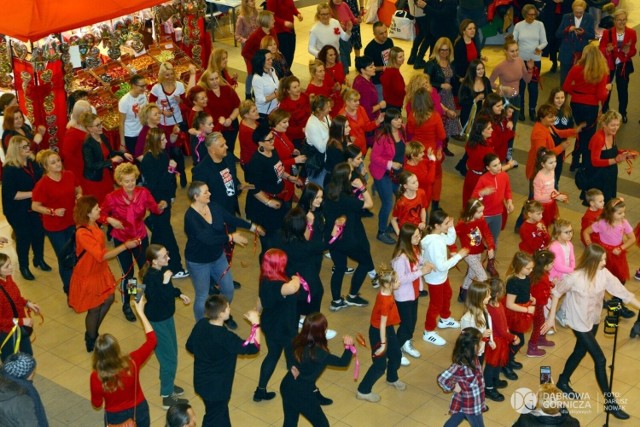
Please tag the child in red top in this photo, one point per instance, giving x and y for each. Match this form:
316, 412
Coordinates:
423, 168
533, 233
541, 286
393, 85
411, 205
543, 185
473, 232
595, 198
497, 357
501, 123
385, 349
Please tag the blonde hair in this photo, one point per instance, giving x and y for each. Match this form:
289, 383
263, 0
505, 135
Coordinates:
393, 55
313, 66
215, 64
246, 10
204, 79
559, 225
416, 82
143, 115
79, 108
322, 6
12, 156
164, 67
594, 64
351, 95
264, 18
442, 41
43, 157
124, 169
578, 3
607, 117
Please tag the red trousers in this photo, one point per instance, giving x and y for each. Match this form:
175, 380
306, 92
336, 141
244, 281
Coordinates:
538, 320
439, 304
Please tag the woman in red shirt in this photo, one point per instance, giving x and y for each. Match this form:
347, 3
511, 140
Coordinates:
425, 126
54, 196
9, 293
334, 76
249, 123
478, 146
289, 155
588, 84
74, 136
317, 84
115, 379
393, 85
358, 119
296, 103
124, 209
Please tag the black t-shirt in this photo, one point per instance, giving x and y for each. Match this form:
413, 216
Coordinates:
220, 181
266, 174
380, 55
354, 234
279, 317
521, 288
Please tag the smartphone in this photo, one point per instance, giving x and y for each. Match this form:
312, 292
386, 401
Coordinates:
545, 374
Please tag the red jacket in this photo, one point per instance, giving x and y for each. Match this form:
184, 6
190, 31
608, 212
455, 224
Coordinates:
630, 39
360, 124
533, 237
283, 10
582, 92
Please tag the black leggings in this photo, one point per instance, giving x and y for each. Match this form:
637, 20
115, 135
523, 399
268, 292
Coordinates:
275, 346
126, 259
516, 348
586, 343
339, 258
491, 375
408, 311
389, 361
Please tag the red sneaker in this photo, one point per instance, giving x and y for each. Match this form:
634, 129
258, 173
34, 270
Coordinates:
544, 342
535, 352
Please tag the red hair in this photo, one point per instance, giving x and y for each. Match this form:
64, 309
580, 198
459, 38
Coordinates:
273, 265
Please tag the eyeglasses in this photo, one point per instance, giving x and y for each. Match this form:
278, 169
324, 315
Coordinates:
532, 14
621, 20
268, 139
324, 14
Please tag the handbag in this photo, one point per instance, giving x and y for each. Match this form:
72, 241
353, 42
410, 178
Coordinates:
130, 422
402, 26
315, 159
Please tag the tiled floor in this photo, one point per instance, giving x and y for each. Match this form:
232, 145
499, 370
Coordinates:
64, 366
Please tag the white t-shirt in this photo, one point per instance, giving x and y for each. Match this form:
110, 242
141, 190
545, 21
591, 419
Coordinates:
130, 107
168, 101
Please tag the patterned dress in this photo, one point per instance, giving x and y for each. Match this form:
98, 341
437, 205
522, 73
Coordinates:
451, 126
356, 40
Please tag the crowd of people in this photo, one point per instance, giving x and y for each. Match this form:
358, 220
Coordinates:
308, 190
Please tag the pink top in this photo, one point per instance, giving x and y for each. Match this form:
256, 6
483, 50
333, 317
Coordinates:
543, 186
344, 14
560, 266
130, 212
510, 73
407, 275
611, 234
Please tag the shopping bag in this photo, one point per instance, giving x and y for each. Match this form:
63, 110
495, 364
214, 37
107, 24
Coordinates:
402, 27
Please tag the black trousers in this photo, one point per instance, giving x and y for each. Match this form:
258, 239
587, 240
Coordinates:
423, 39
162, 234
29, 235
126, 260
389, 361
586, 343
516, 348
339, 257
216, 413
588, 114
287, 45
298, 399
275, 345
622, 86
408, 311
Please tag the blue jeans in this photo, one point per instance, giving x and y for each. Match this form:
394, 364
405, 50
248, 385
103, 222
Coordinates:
58, 239
202, 274
386, 189
533, 91
319, 178
457, 419
166, 353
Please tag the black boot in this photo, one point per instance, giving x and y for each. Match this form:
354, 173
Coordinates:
532, 114
262, 394
635, 329
42, 265
612, 407
445, 148
509, 374
89, 342
128, 313
26, 273
493, 394
322, 400
563, 385
462, 296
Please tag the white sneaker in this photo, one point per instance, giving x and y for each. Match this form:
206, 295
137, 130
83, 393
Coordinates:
550, 332
327, 255
330, 334
448, 323
409, 349
404, 361
561, 318
433, 338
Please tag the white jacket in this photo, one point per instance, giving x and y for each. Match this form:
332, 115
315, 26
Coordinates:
434, 250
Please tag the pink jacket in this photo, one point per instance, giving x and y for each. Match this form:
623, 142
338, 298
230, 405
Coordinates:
382, 153
116, 205
560, 269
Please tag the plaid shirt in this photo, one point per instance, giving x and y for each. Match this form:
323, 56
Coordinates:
471, 399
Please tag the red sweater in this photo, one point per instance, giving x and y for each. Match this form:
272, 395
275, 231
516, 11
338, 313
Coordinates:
393, 87
588, 219
130, 394
222, 106
54, 195
360, 124
247, 146
475, 236
430, 133
300, 111
283, 10
582, 92
533, 237
494, 202
6, 313
409, 210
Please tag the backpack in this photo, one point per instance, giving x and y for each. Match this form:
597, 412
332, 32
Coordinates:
68, 256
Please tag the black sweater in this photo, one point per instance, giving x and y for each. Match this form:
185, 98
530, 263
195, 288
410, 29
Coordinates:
161, 304
18, 179
157, 178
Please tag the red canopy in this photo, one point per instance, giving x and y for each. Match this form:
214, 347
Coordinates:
31, 20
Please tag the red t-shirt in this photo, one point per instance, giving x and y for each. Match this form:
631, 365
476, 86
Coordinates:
385, 306
247, 146
130, 394
300, 111
222, 106
57, 194
588, 219
408, 210
393, 87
